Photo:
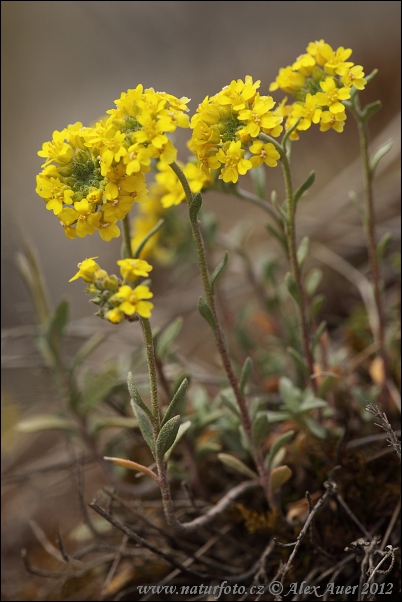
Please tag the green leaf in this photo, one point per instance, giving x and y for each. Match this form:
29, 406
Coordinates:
167, 436
260, 428
278, 235
298, 359
279, 476
182, 429
45, 422
316, 305
146, 238
96, 387
315, 428
305, 186
383, 245
258, 178
206, 313
292, 288
311, 403
280, 209
312, 280
378, 154
245, 373
167, 336
145, 426
370, 110
113, 422
221, 265
302, 251
179, 395
136, 397
195, 207
237, 465
87, 348
318, 334
56, 327
277, 416
279, 443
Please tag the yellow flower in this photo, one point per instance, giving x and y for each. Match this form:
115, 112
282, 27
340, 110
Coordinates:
330, 120
332, 96
130, 301
288, 80
307, 113
234, 163
132, 268
108, 230
264, 153
353, 76
86, 270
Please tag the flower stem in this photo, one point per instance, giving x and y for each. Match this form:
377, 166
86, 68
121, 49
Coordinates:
379, 334
294, 265
219, 335
149, 344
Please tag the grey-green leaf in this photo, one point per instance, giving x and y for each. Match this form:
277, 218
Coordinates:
305, 186
136, 397
237, 465
245, 373
177, 398
298, 359
312, 280
279, 443
292, 288
318, 334
145, 426
167, 436
166, 338
217, 271
206, 313
302, 251
383, 245
260, 428
182, 429
195, 207
258, 178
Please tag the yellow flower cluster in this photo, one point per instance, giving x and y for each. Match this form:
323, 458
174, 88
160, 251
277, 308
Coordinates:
226, 126
93, 175
320, 81
116, 299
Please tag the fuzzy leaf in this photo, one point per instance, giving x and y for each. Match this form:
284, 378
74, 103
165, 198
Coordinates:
383, 245
280, 210
302, 251
292, 288
279, 476
258, 178
260, 428
87, 348
182, 429
379, 153
245, 373
317, 303
195, 207
136, 397
311, 403
113, 422
132, 466
298, 359
206, 312
278, 235
177, 398
305, 186
146, 238
217, 271
318, 334
44, 422
96, 387
279, 443
370, 110
237, 465
167, 336
312, 280
145, 426
167, 436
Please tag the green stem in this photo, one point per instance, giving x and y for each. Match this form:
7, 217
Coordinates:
379, 335
219, 335
149, 344
294, 264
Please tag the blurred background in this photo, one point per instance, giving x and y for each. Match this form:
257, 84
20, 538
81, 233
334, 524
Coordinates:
64, 62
